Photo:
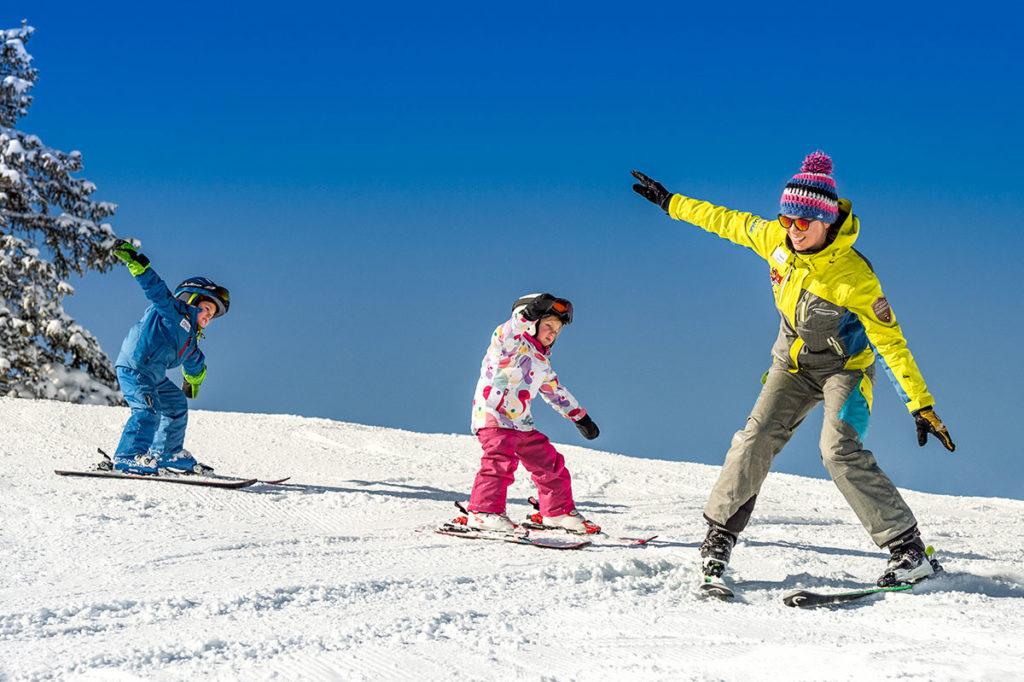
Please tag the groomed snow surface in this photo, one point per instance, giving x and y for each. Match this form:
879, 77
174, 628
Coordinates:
327, 577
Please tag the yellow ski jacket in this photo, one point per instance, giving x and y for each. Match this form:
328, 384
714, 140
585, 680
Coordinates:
831, 303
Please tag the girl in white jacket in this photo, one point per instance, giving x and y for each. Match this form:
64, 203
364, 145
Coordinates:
515, 369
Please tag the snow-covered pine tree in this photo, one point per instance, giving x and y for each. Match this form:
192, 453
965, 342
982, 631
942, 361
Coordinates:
49, 227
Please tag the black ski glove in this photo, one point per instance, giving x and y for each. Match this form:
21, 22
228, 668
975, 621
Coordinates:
652, 190
587, 427
539, 307
929, 422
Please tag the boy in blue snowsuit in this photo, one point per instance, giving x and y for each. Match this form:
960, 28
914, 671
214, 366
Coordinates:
167, 336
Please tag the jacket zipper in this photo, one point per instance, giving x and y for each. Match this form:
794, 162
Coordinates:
782, 287
834, 343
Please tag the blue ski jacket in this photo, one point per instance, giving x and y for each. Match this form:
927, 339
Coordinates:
167, 335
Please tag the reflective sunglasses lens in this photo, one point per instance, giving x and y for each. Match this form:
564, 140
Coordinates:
801, 223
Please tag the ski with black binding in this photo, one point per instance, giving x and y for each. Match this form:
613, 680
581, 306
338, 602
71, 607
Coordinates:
108, 465
184, 480
807, 598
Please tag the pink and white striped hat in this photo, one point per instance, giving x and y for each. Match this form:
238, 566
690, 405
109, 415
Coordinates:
811, 193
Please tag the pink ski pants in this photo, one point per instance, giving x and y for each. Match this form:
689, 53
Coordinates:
503, 450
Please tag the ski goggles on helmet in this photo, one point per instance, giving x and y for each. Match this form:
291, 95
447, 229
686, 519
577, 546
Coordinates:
562, 309
801, 224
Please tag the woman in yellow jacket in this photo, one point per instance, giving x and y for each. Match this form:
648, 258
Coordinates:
834, 320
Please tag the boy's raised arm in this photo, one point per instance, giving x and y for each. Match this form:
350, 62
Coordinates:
154, 287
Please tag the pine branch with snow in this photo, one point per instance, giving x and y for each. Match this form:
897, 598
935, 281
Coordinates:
49, 228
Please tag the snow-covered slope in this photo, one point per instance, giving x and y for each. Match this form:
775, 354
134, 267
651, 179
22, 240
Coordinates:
326, 577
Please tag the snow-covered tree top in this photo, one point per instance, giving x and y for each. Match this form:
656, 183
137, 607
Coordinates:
16, 74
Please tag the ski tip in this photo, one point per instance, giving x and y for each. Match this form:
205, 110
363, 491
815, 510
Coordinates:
642, 541
795, 598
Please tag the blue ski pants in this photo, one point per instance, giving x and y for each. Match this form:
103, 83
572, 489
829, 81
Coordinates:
159, 415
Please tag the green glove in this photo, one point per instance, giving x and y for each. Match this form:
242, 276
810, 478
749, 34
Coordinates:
190, 386
136, 262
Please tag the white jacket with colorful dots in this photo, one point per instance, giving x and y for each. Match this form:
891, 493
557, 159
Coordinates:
516, 368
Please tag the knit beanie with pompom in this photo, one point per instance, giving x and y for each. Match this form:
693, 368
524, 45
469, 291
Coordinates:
811, 193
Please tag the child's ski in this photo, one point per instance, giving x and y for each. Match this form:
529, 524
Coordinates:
207, 482
108, 465
546, 543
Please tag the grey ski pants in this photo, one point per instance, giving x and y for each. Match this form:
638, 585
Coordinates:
785, 400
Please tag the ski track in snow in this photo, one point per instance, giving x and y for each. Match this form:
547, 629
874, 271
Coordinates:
325, 577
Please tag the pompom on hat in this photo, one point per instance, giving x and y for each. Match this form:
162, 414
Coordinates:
811, 193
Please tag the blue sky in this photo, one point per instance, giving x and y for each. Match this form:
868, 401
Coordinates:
376, 185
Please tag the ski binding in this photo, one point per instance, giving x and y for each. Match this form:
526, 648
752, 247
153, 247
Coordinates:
520, 536
531, 524
808, 598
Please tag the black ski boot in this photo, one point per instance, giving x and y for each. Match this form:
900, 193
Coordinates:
716, 550
909, 561
714, 555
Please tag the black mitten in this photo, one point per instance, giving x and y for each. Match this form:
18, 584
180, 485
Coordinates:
587, 427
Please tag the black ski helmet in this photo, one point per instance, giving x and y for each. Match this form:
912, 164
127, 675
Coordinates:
194, 289
560, 307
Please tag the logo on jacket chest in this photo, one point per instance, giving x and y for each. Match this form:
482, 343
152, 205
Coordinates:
776, 277
186, 325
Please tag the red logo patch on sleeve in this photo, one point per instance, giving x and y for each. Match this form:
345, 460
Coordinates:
882, 310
